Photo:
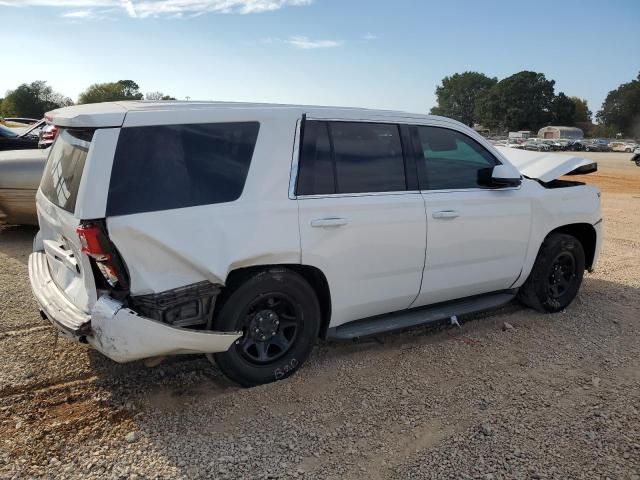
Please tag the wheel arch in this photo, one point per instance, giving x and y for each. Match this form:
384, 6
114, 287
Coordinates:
585, 233
313, 275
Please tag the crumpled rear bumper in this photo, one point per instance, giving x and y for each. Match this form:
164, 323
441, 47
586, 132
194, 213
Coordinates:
115, 330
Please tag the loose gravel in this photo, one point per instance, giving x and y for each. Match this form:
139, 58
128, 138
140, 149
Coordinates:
510, 395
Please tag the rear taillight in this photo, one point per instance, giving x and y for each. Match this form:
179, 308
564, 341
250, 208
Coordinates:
93, 243
96, 244
50, 134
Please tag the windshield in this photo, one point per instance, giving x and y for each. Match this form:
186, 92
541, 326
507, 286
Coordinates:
7, 133
62, 174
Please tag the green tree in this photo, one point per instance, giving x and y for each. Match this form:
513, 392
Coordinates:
583, 114
458, 93
621, 109
563, 110
111, 92
32, 100
522, 101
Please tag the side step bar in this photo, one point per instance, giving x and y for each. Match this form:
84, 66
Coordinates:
419, 316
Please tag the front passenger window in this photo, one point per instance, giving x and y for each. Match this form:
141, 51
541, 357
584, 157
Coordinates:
451, 160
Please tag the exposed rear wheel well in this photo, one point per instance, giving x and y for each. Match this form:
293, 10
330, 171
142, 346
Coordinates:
586, 235
312, 275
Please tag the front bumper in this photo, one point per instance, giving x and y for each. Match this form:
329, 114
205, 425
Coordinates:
115, 330
599, 237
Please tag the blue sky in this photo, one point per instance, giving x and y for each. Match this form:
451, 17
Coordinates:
377, 53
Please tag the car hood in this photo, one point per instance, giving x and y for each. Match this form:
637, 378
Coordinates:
546, 166
22, 169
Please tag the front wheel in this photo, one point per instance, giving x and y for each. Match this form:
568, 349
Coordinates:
556, 275
279, 315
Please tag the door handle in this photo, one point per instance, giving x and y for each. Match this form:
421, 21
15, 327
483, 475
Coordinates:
328, 222
446, 214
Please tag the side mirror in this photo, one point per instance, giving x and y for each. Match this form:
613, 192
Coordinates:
504, 176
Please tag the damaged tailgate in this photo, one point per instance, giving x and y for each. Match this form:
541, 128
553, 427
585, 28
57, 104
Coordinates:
546, 166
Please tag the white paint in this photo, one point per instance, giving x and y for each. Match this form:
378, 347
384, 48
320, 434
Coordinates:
124, 336
372, 248
543, 165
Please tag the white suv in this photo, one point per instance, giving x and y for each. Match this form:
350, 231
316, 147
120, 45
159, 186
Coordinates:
248, 231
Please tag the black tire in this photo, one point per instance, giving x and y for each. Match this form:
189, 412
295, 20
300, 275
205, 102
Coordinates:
278, 312
638, 162
556, 276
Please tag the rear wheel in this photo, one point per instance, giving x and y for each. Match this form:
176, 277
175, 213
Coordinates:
279, 315
556, 275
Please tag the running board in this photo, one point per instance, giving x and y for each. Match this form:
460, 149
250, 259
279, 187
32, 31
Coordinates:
419, 316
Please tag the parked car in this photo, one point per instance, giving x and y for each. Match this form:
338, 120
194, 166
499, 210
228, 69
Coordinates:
536, 145
20, 173
622, 147
636, 156
47, 136
10, 140
247, 231
596, 146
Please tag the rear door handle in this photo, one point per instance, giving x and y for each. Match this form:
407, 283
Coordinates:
446, 214
328, 222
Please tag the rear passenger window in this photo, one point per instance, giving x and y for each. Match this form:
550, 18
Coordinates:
361, 158
316, 174
175, 166
451, 160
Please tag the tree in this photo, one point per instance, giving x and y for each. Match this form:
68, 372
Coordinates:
111, 92
621, 108
583, 114
458, 93
157, 96
32, 100
522, 101
563, 110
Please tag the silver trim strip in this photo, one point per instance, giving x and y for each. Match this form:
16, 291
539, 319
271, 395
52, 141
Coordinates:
293, 177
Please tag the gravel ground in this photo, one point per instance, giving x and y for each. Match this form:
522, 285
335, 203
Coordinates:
546, 396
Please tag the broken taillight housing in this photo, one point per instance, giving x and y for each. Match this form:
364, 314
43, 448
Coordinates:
96, 244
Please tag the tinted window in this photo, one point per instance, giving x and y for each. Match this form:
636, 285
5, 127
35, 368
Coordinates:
348, 157
316, 169
175, 166
368, 157
451, 160
62, 174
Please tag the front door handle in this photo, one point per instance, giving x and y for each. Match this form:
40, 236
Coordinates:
446, 214
328, 222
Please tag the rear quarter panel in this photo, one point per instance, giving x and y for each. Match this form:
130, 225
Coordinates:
172, 248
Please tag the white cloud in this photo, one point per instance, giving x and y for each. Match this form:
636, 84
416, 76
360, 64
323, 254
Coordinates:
369, 36
306, 43
79, 14
158, 8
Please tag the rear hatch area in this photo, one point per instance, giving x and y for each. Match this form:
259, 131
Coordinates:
70, 270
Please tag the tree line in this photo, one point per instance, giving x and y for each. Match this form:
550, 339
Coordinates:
32, 100
523, 101
527, 101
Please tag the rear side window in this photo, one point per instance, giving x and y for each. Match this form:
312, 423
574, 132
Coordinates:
451, 160
61, 178
361, 158
175, 166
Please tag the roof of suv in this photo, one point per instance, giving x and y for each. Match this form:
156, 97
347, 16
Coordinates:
111, 114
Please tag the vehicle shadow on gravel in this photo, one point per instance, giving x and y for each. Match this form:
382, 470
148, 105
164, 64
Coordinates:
16, 241
175, 373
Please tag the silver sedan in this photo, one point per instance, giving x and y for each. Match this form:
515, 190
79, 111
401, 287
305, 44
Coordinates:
20, 173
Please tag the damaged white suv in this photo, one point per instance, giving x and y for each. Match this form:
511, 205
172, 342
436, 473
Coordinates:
248, 231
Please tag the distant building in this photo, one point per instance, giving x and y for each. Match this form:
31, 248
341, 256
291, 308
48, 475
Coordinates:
522, 134
571, 133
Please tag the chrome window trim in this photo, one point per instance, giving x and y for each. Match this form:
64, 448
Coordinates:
359, 194
295, 159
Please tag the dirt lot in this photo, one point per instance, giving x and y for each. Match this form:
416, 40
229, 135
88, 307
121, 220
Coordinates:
557, 396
